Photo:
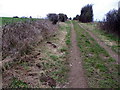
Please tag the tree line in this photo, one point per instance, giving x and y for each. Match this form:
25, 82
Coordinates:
110, 24
86, 14
57, 17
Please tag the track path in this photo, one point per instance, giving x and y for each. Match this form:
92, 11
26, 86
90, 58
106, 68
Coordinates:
76, 78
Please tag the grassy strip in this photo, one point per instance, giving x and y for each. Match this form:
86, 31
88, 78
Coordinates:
56, 65
68, 42
111, 40
68, 29
100, 68
63, 68
10, 20
60, 75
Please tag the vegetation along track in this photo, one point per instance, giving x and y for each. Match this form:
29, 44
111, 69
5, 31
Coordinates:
102, 44
100, 68
47, 65
110, 40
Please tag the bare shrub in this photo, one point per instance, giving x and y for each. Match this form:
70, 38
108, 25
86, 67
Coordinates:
111, 23
18, 38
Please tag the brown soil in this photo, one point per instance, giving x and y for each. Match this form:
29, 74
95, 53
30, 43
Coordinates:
76, 75
102, 44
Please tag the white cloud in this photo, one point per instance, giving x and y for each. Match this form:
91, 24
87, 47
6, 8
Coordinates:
42, 7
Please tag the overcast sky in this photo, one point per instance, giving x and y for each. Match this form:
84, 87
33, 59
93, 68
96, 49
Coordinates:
39, 8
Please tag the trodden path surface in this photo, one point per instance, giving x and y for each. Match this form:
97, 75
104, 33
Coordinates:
102, 44
76, 75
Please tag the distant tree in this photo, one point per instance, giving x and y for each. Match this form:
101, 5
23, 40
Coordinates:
30, 16
118, 22
86, 14
57, 17
15, 17
66, 17
111, 23
55, 20
61, 17
23, 17
70, 18
76, 18
53, 17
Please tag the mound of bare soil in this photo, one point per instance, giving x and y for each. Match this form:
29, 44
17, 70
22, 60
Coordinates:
18, 38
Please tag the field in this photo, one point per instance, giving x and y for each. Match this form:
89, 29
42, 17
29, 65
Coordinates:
71, 54
10, 20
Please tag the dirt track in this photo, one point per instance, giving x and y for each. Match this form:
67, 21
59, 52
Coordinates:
76, 75
102, 44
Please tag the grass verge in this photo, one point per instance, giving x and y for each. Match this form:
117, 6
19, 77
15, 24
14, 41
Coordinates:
68, 28
99, 66
55, 65
110, 39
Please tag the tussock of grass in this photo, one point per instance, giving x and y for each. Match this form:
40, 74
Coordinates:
18, 84
63, 49
101, 72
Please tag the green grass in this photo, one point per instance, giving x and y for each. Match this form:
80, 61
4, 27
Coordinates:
60, 63
10, 20
105, 36
101, 72
68, 28
68, 22
62, 27
18, 84
25, 65
54, 57
56, 65
63, 49
0, 21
